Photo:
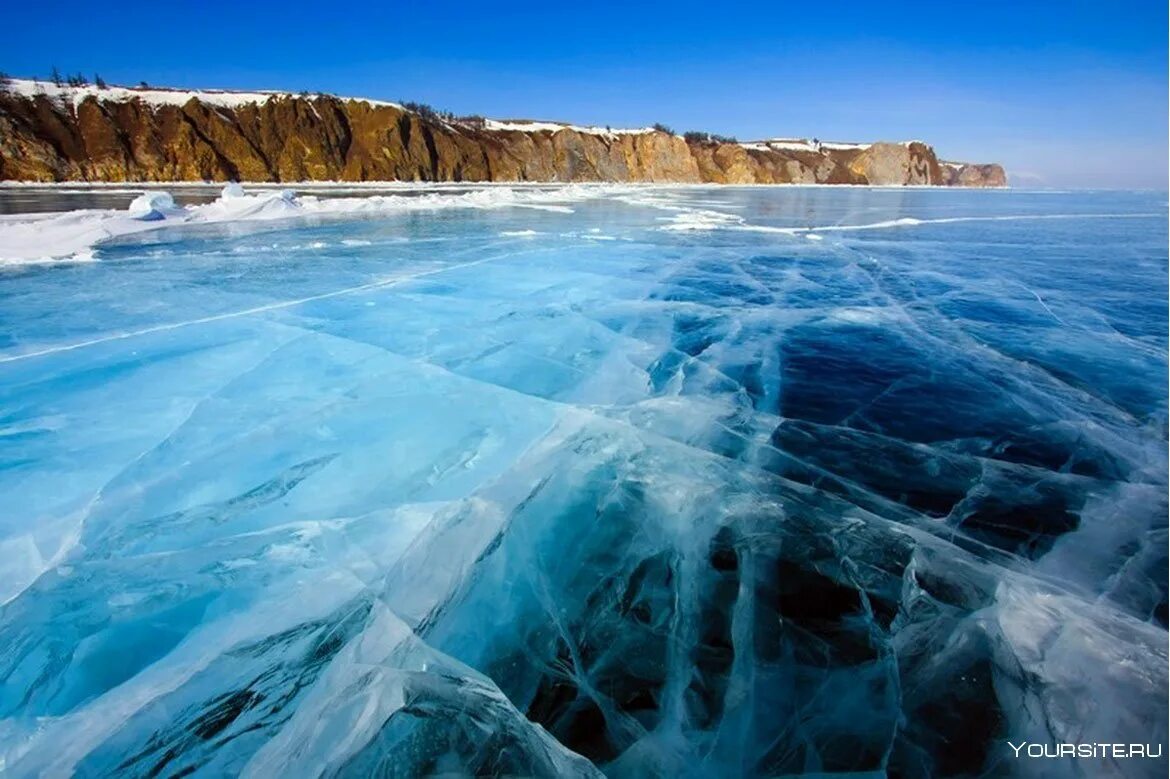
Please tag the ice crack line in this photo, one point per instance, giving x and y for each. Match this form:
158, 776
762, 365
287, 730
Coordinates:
236, 314
910, 221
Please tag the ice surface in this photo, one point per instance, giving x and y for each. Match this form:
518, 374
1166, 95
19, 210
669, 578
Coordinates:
573, 481
71, 236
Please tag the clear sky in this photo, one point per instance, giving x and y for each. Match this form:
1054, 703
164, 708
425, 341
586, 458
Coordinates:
1067, 93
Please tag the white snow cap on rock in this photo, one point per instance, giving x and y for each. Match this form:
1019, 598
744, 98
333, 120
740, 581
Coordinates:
493, 125
155, 96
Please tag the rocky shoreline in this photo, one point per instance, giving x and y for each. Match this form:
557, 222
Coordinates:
55, 133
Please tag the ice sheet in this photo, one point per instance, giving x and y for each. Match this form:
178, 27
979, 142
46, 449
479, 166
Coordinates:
72, 236
531, 481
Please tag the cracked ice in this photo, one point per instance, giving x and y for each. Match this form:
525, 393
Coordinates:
628, 481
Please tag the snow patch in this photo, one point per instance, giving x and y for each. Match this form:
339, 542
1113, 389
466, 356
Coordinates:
802, 145
161, 96
493, 125
807, 145
699, 219
711, 220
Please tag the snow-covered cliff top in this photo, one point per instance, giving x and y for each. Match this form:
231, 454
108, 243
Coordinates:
220, 98
525, 126
806, 144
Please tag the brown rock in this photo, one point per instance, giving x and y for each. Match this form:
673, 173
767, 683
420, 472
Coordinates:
289, 138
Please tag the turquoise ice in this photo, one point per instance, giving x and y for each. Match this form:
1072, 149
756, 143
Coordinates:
624, 480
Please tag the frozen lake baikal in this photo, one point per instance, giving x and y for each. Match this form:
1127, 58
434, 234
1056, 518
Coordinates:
555, 481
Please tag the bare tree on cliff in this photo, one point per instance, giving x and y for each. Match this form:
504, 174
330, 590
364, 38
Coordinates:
56, 76
98, 81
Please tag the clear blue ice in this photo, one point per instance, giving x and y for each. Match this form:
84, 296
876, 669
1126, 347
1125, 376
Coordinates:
646, 485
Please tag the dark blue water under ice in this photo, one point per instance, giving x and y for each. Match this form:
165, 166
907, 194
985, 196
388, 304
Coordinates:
553, 493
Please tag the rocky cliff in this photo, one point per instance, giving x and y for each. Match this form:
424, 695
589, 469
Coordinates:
51, 133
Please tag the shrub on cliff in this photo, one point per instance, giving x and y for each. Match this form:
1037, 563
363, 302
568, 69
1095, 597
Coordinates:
427, 112
658, 126
694, 136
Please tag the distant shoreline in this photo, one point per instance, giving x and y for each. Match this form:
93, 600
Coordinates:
407, 185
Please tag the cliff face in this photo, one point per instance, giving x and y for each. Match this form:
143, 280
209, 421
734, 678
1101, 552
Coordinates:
89, 135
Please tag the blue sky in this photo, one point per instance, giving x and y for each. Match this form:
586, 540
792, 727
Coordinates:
1062, 93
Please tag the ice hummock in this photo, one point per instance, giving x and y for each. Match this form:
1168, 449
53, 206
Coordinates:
75, 235
154, 206
456, 489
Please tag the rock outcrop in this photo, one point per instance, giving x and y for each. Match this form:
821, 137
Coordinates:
50, 133
963, 174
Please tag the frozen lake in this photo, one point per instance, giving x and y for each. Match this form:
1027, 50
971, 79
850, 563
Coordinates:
557, 481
